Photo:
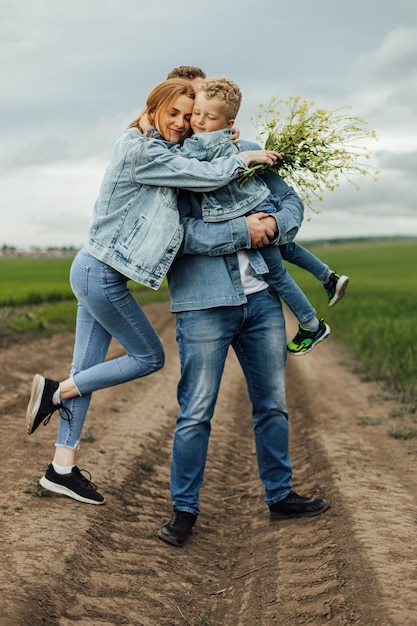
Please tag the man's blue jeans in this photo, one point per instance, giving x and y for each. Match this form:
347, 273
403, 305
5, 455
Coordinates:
106, 309
256, 331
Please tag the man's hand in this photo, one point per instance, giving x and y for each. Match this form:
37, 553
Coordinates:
261, 230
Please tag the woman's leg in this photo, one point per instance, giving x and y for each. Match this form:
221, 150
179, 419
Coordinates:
106, 309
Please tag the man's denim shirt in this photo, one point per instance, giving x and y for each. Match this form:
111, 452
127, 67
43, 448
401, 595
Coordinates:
136, 226
206, 272
232, 200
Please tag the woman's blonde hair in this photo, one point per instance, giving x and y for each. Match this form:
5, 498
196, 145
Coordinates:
162, 98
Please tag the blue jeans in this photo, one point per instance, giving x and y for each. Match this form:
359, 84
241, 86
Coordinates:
256, 332
106, 309
296, 254
285, 286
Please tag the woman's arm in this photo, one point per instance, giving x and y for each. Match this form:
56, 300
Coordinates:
155, 164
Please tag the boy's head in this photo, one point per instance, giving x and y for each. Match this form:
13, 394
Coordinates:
216, 105
192, 73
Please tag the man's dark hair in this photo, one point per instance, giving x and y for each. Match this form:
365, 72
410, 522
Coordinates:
187, 71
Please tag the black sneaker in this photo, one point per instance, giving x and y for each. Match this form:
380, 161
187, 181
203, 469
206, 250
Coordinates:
336, 287
297, 506
306, 339
177, 530
41, 407
75, 485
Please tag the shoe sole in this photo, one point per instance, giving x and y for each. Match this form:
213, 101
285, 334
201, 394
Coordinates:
341, 287
170, 539
38, 385
274, 517
61, 489
326, 334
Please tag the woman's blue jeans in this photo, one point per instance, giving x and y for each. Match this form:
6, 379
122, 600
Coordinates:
256, 332
106, 309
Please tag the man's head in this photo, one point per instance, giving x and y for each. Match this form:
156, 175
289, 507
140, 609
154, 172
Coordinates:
216, 105
194, 74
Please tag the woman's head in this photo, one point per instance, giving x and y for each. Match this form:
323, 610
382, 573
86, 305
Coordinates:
169, 107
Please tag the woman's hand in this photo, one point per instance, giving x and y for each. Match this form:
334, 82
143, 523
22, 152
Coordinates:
235, 135
259, 230
267, 157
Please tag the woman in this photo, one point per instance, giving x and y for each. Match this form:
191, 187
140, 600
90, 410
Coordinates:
135, 234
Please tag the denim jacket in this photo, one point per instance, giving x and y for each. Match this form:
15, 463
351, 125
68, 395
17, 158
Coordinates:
232, 200
136, 226
206, 273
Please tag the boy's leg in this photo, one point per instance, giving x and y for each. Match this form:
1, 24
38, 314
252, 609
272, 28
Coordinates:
285, 287
306, 260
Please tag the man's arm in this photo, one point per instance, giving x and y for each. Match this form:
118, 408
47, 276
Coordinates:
290, 216
217, 239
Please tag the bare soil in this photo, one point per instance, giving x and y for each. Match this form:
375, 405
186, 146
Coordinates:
66, 563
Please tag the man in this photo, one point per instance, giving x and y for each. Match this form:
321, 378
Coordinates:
220, 302
192, 73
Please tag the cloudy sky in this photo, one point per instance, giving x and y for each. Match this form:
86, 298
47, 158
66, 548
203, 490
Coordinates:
74, 73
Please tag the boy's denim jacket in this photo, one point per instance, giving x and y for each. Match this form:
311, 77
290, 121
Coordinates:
206, 273
136, 227
232, 200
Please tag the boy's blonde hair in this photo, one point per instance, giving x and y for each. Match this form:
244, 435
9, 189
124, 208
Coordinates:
223, 89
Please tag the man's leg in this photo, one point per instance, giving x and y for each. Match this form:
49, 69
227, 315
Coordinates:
203, 338
261, 350
260, 347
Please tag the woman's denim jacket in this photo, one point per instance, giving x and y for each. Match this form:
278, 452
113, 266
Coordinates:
136, 227
232, 200
206, 273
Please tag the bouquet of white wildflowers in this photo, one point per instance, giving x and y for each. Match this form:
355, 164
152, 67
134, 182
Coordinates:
317, 147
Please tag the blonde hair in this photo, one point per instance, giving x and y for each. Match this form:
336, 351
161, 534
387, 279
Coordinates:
187, 71
225, 90
162, 98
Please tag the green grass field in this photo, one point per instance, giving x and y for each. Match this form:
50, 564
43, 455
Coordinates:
374, 322
36, 298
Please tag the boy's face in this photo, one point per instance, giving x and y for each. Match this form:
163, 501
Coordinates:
208, 115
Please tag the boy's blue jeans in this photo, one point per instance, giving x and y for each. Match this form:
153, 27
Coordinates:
106, 309
297, 255
256, 332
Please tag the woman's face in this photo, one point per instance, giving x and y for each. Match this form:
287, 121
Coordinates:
174, 123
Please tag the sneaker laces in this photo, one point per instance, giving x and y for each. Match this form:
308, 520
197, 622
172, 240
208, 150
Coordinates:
62, 409
87, 481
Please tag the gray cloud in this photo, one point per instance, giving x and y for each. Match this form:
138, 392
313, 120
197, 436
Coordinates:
74, 74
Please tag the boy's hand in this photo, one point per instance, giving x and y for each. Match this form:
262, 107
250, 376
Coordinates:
266, 157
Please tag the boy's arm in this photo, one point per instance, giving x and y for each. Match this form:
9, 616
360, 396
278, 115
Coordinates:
207, 146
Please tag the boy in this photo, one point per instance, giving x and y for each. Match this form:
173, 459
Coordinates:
216, 105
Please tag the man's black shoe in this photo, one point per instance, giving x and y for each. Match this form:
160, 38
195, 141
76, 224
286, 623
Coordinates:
177, 530
297, 506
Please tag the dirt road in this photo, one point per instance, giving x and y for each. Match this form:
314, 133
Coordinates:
66, 563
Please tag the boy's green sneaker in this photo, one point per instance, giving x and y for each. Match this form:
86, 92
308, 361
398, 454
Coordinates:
306, 339
336, 287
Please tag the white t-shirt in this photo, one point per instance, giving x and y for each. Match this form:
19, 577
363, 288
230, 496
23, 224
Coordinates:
250, 283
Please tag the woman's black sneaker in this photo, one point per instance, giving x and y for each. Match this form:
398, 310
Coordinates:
177, 530
74, 485
41, 407
297, 506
